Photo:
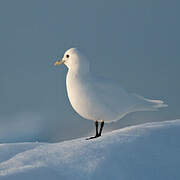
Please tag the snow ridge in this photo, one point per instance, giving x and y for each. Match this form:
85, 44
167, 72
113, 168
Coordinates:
148, 151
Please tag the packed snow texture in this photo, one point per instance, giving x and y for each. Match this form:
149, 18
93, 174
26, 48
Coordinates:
145, 152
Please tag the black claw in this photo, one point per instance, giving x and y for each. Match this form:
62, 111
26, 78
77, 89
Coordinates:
93, 137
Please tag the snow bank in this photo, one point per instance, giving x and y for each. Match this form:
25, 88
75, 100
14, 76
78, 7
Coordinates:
145, 152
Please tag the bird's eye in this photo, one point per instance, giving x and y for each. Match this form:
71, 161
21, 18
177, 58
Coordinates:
67, 55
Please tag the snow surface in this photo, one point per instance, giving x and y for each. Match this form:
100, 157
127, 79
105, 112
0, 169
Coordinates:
145, 152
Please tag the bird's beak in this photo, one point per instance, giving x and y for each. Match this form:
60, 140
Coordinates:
59, 62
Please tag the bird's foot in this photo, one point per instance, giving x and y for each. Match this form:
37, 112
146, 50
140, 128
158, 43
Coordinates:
93, 137
98, 134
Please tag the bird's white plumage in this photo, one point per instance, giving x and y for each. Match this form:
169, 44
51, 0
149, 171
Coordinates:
100, 99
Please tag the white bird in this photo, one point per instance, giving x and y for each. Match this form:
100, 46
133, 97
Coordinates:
99, 99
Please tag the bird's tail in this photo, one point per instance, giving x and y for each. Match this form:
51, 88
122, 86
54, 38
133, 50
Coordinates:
149, 104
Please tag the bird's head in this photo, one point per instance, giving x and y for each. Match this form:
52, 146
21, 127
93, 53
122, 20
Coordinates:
74, 60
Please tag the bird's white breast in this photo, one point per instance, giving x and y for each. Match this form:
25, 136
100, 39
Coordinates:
84, 99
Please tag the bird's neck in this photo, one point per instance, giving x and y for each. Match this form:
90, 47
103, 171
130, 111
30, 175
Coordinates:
80, 69
78, 73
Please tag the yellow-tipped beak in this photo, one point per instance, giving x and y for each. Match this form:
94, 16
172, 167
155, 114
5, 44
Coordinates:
59, 62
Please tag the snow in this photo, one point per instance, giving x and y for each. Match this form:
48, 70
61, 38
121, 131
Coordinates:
148, 152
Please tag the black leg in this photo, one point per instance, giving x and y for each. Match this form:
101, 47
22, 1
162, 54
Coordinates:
97, 134
101, 128
96, 124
